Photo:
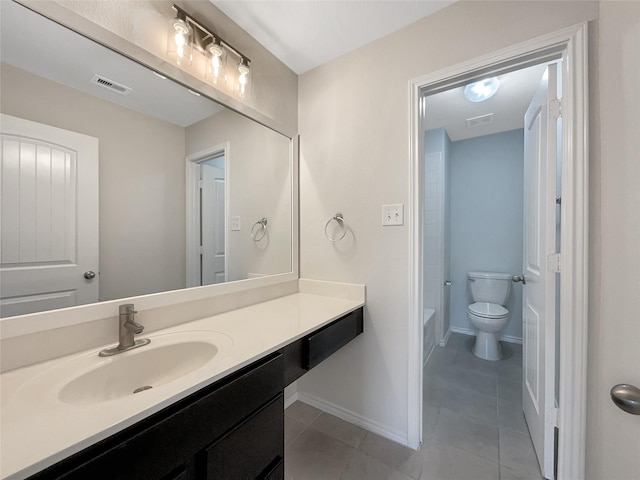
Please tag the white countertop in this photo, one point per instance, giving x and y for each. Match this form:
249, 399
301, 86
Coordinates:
38, 429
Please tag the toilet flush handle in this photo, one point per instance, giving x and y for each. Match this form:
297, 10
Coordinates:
519, 278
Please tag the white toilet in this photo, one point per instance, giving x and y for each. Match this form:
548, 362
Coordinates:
490, 291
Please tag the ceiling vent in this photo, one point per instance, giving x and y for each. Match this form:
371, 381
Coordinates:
111, 85
479, 121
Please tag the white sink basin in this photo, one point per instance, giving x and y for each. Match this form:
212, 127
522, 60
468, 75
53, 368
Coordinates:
88, 379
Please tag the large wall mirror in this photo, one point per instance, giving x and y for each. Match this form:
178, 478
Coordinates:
119, 182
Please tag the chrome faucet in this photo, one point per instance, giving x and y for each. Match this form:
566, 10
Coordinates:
127, 328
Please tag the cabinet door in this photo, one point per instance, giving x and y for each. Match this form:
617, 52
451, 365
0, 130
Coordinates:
253, 448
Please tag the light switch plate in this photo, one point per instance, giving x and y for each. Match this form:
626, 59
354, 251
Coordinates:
393, 214
235, 224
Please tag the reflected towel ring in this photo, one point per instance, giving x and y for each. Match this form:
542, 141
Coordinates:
262, 228
340, 220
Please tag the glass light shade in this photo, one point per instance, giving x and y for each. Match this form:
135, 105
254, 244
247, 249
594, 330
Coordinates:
481, 90
180, 42
216, 63
243, 82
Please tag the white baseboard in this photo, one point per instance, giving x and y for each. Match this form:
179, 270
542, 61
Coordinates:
472, 332
354, 418
445, 339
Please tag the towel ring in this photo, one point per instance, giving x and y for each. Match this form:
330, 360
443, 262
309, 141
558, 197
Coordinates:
340, 220
262, 228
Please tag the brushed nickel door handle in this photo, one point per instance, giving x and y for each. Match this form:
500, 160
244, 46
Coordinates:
627, 397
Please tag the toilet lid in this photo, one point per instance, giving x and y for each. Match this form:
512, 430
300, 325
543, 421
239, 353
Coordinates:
489, 310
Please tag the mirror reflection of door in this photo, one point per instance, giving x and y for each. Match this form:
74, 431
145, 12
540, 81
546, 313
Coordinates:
212, 221
49, 217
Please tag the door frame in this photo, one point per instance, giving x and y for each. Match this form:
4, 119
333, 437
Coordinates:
570, 44
193, 162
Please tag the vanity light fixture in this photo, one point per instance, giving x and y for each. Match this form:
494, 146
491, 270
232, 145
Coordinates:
481, 90
186, 33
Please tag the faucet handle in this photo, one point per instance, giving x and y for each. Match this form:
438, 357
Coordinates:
126, 309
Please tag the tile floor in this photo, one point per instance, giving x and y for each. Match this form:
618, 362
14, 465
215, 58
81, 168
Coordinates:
473, 428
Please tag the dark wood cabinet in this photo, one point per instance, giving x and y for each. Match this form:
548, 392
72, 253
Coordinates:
231, 429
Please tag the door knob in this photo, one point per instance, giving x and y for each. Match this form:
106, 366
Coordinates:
627, 397
519, 278
89, 275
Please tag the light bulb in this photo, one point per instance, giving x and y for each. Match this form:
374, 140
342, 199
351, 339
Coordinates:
243, 87
215, 66
179, 45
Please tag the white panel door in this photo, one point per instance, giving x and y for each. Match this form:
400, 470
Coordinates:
49, 217
213, 225
538, 297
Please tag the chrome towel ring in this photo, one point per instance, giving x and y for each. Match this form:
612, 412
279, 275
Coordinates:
258, 233
340, 220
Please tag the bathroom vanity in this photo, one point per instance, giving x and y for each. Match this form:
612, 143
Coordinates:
223, 420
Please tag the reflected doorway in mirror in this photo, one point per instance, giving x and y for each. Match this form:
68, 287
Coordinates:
207, 217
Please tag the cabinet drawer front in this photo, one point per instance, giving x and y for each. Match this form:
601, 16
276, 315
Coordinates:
251, 449
329, 339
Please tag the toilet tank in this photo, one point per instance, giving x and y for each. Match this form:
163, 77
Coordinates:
491, 287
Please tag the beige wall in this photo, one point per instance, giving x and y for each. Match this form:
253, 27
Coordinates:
354, 126
141, 162
145, 23
259, 181
613, 437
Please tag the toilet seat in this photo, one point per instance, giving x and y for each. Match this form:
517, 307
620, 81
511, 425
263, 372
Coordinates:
488, 310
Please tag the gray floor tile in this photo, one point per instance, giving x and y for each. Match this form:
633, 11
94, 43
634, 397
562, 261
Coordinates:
510, 390
429, 419
292, 429
507, 473
446, 462
393, 454
339, 429
510, 415
458, 341
303, 412
517, 453
434, 389
315, 456
440, 357
364, 467
471, 404
475, 380
470, 435
465, 359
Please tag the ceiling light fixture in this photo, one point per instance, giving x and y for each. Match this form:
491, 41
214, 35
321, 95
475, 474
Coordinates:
481, 90
186, 33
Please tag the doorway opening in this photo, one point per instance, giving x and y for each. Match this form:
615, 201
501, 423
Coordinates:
569, 46
207, 262
486, 193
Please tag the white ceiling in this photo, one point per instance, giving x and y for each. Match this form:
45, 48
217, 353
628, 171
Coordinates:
304, 34
450, 109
